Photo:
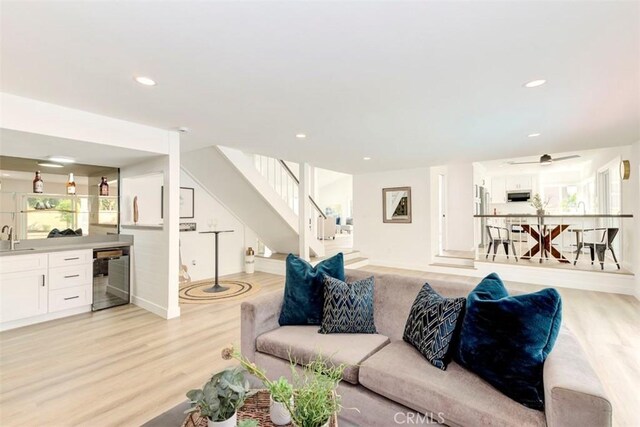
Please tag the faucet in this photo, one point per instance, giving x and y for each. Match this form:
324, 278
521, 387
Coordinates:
12, 237
584, 207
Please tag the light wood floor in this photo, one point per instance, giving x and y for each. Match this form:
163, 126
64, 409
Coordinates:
124, 366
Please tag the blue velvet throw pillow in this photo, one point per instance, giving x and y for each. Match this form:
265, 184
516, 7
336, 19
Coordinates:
432, 325
348, 307
506, 339
304, 289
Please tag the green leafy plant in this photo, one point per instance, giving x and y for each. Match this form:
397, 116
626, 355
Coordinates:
538, 204
221, 396
248, 423
314, 390
281, 391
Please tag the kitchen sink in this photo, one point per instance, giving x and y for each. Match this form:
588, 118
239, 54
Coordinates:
16, 250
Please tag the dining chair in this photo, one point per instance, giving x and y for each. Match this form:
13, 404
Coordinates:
500, 236
599, 248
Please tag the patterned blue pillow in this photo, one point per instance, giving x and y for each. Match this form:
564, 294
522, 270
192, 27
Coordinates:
431, 326
348, 307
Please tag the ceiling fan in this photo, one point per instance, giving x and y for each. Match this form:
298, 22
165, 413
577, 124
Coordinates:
545, 159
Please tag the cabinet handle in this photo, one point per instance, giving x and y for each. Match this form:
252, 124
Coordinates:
67, 299
43, 280
71, 259
73, 275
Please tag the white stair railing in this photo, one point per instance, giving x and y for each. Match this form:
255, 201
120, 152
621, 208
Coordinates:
282, 179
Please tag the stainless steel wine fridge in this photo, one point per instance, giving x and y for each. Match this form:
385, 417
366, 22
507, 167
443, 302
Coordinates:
111, 286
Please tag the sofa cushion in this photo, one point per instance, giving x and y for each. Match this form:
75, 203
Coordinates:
304, 343
348, 307
400, 373
304, 289
394, 294
506, 339
432, 325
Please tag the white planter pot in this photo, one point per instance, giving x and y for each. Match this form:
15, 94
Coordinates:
279, 413
231, 422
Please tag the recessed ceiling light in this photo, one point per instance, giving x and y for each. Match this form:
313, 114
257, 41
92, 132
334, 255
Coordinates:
533, 135
58, 159
535, 83
301, 135
147, 81
50, 165
366, 158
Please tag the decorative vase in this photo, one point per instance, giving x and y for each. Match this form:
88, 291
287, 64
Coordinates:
249, 261
279, 413
230, 422
540, 212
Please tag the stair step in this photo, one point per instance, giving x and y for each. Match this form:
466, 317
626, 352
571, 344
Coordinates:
465, 267
348, 255
454, 261
356, 262
275, 263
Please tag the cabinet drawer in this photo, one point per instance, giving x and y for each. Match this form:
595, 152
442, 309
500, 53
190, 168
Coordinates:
63, 299
28, 262
66, 258
67, 277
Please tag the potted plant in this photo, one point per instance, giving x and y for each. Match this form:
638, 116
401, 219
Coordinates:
314, 393
220, 397
281, 391
538, 204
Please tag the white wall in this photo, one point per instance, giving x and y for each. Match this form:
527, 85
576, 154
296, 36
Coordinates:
155, 262
199, 248
395, 245
631, 193
460, 204
338, 195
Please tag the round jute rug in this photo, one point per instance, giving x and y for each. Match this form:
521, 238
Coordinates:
193, 293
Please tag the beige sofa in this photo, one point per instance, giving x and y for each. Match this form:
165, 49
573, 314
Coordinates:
392, 384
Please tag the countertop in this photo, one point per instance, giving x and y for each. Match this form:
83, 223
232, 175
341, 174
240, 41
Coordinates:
35, 248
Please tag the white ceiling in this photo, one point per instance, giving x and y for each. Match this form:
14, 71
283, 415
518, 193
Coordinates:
408, 83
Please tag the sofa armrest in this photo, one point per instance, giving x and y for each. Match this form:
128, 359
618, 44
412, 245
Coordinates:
574, 396
257, 316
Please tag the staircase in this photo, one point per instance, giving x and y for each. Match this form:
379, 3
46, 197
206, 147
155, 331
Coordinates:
275, 263
264, 198
455, 259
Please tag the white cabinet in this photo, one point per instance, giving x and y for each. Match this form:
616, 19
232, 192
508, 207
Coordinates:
63, 299
66, 277
67, 258
23, 288
519, 182
498, 190
38, 287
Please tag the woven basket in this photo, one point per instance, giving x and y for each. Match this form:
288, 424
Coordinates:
255, 407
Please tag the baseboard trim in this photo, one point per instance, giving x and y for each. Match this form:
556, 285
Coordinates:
44, 318
155, 308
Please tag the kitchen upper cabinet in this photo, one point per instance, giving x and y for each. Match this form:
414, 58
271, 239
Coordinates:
498, 190
23, 294
519, 182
